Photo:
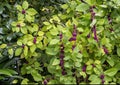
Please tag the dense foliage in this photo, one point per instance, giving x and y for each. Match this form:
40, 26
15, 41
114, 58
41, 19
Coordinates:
60, 42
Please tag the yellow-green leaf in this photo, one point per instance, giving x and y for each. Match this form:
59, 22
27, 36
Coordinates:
54, 41
10, 51
40, 33
25, 51
19, 7
25, 5
32, 48
31, 11
18, 51
3, 46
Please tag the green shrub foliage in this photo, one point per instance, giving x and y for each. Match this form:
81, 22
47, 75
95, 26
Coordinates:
61, 42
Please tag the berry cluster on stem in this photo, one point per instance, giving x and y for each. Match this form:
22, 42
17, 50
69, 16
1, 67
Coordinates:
102, 76
94, 26
74, 35
62, 55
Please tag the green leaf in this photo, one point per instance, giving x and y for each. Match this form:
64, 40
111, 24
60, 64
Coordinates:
31, 11
89, 67
40, 33
46, 23
64, 6
51, 51
10, 51
19, 42
11, 71
96, 81
24, 81
25, 5
54, 41
111, 71
25, 51
29, 18
29, 43
110, 61
56, 62
32, 48
79, 55
92, 77
40, 45
82, 7
3, 46
118, 51
1, 9
4, 72
35, 27
105, 41
54, 31
24, 30
20, 16
36, 75
19, 8
18, 51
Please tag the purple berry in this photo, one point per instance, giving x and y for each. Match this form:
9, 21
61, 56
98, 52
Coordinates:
34, 41
18, 25
74, 26
23, 45
102, 76
45, 82
93, 6
80, 52
91, 10
73, 47
88, 36
111, 29
93, 14
109, 19
63, 72
62, 47
61, 55
103, 81
84, 68
93, 65
105, 50
60, 35
62, 51
23, 11
74, 34
72, 39
95, 34
61, 62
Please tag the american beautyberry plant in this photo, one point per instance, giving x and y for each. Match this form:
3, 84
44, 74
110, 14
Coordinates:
79, 44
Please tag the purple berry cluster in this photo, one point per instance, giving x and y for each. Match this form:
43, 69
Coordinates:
34, 40
62, 56
23, 11
110, 22
23, 45
94, 26
105, 50
109, 19
74, 35
18, 25
95, 33
84, 68
102, 76
92, 13
45, 82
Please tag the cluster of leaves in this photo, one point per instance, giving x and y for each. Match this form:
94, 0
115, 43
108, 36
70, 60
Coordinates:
78, 43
